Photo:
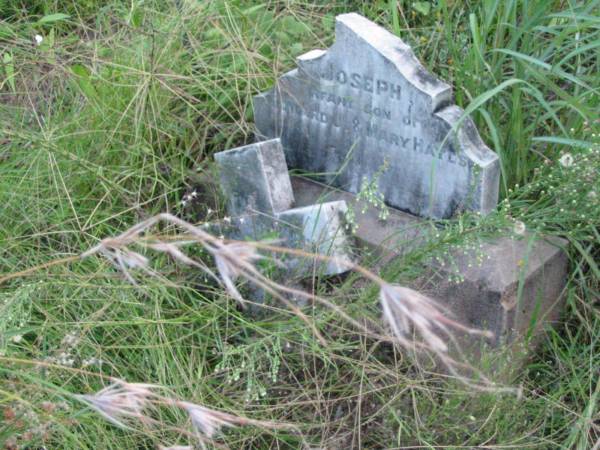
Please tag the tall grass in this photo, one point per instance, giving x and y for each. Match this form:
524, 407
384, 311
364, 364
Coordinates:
113, 118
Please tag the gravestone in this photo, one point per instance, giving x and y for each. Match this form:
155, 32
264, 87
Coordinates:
366, 105
257, 185
366, 109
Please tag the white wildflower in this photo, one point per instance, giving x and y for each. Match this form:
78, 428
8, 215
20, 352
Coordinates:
70, 340
17, 338
519, 227
566, 160
92, 362
65, 359
38, 39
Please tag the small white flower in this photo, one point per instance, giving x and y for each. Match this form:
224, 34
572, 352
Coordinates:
209, 211
17, 338
519, 227
227, 219
183, 202
566, 160
92, 362
242, 220
194, 194
38, 39
70, 340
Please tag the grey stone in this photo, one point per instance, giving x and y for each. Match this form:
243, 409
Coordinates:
257, 184
367, 103
255, 178
316, 229
399, 233
487, 295
514, 293
321, 230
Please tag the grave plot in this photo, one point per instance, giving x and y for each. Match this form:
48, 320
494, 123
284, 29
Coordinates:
366, 111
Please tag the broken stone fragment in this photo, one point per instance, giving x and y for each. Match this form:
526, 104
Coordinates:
315, 229
255, 178
367, 106
257, 184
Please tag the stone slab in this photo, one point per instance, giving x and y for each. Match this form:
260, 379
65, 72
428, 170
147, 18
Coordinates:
318, 229
487, 297
396, 234
255, 178
322, 226
366, 106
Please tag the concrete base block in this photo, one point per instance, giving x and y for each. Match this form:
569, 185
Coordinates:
513, 293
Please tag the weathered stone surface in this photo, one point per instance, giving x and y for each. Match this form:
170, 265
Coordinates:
317, 229
322, 227
488, 295
514, 293
398, 233
367, 102
255, 178
257, 183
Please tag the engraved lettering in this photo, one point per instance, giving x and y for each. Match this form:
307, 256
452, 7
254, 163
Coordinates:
408, 119
382, 86
378, 112
418, 143
363, 82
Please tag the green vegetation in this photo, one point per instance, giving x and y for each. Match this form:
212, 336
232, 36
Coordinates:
111, 114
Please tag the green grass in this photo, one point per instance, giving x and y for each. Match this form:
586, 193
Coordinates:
114, 117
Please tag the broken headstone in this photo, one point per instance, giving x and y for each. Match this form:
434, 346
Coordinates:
365, 110
367, 105
256, 182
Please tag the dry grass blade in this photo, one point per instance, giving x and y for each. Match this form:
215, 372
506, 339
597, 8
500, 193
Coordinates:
404, 309
121, 401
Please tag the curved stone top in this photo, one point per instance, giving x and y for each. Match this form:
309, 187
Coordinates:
350, 27
366, 106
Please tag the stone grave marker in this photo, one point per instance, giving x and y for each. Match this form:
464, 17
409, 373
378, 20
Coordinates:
365, 105
366, 109
257, 185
